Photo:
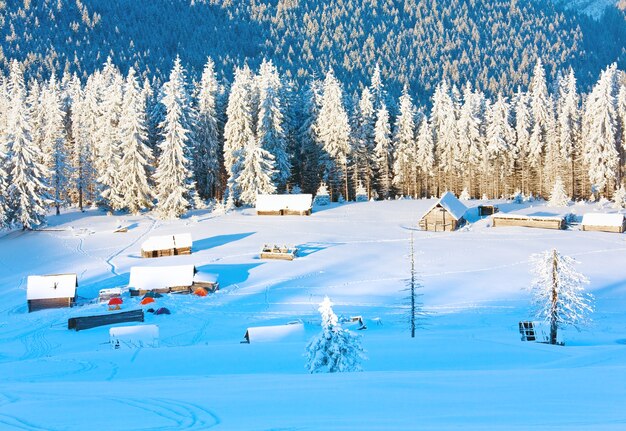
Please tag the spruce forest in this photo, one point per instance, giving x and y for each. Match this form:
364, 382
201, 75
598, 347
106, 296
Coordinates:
231, 99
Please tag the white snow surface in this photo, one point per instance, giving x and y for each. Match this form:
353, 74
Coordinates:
158, 277
295, 202
134, 336
602, 219
265, 334
466, 369
51, 286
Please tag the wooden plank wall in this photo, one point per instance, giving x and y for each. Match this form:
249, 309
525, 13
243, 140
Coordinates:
87, 322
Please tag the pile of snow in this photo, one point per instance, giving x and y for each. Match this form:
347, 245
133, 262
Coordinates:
134, 336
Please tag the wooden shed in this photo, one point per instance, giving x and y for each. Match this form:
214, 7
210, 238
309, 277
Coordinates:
167, 245
604, 222
51, 291
543, 222
445, 215
296, 204
487, 210
170, 279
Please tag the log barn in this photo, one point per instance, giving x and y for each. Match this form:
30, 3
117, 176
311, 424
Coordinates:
604, 222
170, 279
167, 245
445, 215
543, 222
51, 291
296, 204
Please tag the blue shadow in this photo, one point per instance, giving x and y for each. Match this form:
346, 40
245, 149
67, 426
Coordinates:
229, 274
216, 241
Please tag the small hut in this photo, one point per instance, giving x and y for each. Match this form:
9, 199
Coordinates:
268, 334
51, 291
445, 215
169, 279
543, 222
604, 222
296, 204
167, 245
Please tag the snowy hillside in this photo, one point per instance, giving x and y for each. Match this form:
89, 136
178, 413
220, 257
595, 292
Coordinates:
593, 8
467, 368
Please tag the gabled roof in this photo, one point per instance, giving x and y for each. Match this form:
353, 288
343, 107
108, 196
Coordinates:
261, 334
295, 202
599, 219
167, 242
451, 204
51, 286
159, 277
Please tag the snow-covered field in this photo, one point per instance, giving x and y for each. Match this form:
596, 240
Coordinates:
467, 369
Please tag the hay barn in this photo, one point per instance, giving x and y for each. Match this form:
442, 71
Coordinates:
543, 222
169, 279
296, 204
51, 291
445, 215
167, 245
604, 222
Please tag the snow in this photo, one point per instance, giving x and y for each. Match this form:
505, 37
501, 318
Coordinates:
523, 216
51, 286
205, 277
602, 219
295, 202
466, 370
134, 336
157, 277
451, 204
265, 334
167, 242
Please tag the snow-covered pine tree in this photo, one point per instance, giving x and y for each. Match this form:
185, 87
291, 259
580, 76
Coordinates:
207, 152
425, 156
499, 148
383, 152
558, 197
269, 130
333, 133
377, 89
619, 197
54, 143
334, 350
443, 120
569, 128
465, 196
523, 130
600, 132
558, 292
364, 139
309, 153
239, 127
135, 190
621, 110
404, 166
255, 176
173, 175
27, 190
322, 197
361, 193
470, 135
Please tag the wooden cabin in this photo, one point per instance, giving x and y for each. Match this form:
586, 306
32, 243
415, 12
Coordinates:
542, 222
604, 222
277, 252
487, 210
268, 334
296, 204
170, 279
445, 215
88, 322
104, 295
51, 291
167, 245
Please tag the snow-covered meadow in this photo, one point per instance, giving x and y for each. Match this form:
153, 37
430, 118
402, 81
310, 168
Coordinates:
466, 368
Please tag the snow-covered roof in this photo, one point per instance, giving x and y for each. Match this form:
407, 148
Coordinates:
134, 336
158, 277
296, 202
600, 219
260, 334
451, 204
205, 277
110, 291
523, 216
51, 286
167, 242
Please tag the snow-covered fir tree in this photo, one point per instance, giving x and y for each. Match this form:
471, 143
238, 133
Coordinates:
425, 155
558, 196
333, 133
255, 176
27, 190
135, 190
619, 198
569, 124
499, 145
383, 152
207, 150
269, 130
470, 135
239, 127
360, 193
405, 146
173, 175
558, 292
334, 350
465, 196
364, 139
443, 120
321, 196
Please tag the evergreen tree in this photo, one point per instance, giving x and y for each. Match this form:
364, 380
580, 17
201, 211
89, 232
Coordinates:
569, 127
173, 175
27, 191
256, 173
135, 190
383, 152
619, 198
523, 130
364, 139
470, 136
499, 148
405, 146
425, 155
207, 153
558, 293
558, 197
443, 120
334, 350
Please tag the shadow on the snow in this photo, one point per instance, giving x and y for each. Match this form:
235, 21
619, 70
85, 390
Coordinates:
229, 274
216, 241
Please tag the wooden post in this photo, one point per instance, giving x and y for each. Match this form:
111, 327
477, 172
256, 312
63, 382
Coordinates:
554, 299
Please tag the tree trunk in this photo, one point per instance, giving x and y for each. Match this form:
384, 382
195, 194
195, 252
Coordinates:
554, 299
